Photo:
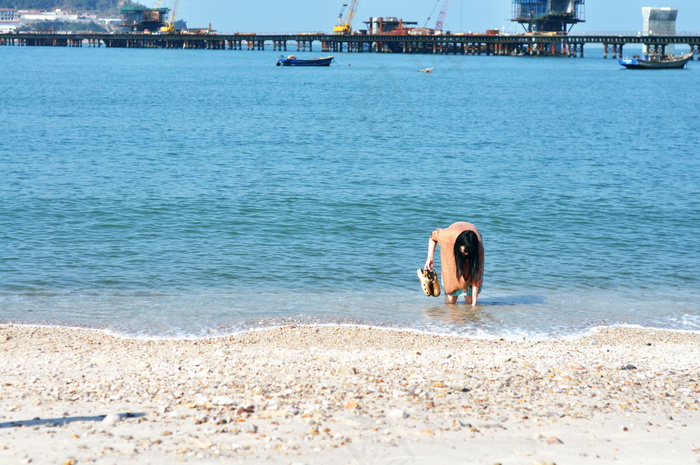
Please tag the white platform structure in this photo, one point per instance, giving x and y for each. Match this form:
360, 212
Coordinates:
659, 22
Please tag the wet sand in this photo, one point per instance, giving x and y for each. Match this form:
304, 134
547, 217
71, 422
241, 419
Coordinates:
348, 395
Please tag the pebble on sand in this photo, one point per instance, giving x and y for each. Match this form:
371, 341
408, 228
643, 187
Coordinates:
111, 419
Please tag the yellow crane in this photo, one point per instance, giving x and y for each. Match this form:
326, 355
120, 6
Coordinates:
345, 26
170, 24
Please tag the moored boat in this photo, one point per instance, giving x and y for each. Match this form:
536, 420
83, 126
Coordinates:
291, 60
656, 61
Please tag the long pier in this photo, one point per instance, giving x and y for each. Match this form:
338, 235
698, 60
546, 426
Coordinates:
458, 44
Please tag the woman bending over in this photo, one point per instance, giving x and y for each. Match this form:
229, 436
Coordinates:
461, 261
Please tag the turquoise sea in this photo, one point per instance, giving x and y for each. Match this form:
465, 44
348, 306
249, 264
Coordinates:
178, 193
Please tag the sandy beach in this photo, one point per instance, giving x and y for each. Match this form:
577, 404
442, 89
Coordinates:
348, 395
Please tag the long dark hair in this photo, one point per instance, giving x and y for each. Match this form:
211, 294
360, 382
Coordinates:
470, 241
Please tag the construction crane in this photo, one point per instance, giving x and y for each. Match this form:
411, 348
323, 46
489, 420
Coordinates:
345, 27
170, 25
443, 13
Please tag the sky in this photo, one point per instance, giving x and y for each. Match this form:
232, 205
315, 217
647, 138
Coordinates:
270, 16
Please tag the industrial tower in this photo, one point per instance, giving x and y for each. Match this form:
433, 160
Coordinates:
659, 22
548, 15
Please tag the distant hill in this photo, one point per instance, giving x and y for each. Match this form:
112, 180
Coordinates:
70, 5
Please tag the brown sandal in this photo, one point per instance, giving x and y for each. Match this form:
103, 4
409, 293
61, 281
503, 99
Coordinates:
425, 282
432, 275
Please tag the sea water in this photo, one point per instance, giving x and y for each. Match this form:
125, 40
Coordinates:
178, 193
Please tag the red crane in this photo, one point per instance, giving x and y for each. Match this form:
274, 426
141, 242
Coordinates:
443, 13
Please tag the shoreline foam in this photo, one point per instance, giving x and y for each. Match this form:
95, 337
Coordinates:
315, 394
479, 336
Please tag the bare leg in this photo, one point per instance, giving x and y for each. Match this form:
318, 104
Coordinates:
471, 299
450, 299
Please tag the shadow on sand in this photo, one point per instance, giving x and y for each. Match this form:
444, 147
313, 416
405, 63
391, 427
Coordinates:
63, 420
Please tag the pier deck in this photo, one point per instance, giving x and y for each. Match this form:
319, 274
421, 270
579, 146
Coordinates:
462, 44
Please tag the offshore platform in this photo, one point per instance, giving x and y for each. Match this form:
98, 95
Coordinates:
557, 16
141, 19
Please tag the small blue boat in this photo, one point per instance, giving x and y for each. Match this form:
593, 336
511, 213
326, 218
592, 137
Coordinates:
291, 60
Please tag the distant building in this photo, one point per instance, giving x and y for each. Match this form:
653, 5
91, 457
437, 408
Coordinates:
9, 21
111, 22
17, 18
8, 14
65, 16
56, 15
659, 22
36, 15
28, 14
87, 16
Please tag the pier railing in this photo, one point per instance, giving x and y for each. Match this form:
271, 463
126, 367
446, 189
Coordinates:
464, 44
